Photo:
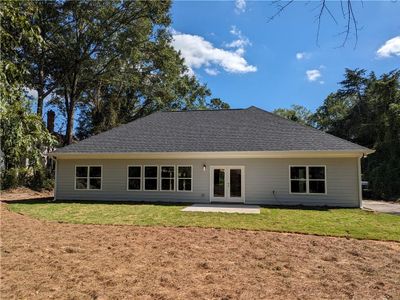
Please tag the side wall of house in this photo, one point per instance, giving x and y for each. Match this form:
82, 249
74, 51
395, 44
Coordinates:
262, 177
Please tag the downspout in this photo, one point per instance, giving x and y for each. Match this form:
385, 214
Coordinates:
359, 181
55, 178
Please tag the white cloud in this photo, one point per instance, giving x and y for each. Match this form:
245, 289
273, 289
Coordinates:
390, 48
302, 55
240, 43
240, 6
313, 75
199, 52
211, 71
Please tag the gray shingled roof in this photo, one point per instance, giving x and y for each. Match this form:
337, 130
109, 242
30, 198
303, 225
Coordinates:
250, 129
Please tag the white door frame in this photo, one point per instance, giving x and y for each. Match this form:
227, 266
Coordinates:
227, 197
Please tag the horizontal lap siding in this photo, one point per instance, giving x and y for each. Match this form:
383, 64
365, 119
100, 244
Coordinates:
262, 176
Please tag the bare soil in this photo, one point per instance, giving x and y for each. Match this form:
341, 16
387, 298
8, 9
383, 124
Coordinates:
66, 261
23, 193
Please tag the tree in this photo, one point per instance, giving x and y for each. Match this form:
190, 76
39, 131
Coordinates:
47, 20
217, 103
23, 135
366, 110
109, 63
296, 113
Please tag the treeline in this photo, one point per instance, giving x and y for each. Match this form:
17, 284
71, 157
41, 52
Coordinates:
103, 63
364, 110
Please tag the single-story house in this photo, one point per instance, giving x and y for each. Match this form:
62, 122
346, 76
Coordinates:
238, 156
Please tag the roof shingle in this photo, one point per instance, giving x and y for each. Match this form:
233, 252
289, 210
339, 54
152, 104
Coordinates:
250, 129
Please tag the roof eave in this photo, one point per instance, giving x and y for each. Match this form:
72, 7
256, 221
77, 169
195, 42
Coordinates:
219, 154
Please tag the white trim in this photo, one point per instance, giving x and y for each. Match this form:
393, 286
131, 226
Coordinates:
359, 182
144, 178
222, 154
55, 179
227, 197
161, 178
307, 180
140, 178
88, 178
191, 179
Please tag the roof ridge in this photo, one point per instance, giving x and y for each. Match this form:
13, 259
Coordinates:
191, 110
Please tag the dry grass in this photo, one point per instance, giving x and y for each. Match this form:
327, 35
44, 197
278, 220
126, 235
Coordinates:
42, 260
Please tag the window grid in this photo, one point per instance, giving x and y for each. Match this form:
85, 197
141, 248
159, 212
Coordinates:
180, 179
134, 177
88, 177
150, 178
307, 180
169, 178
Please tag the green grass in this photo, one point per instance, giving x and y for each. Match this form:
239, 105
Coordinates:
353, 223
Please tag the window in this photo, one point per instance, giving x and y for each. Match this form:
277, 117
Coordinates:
308, 179
134, 178
167, 178
150, 178
88, 177
185, 178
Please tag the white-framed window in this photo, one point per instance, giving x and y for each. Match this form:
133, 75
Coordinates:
185, 178
134, 181
307, 179
167, 178
88, 177
150, 178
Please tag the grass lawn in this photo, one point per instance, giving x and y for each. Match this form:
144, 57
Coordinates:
353, 223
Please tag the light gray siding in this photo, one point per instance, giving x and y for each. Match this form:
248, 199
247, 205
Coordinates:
262, 177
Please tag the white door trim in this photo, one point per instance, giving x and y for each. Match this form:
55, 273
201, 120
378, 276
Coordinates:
227, 197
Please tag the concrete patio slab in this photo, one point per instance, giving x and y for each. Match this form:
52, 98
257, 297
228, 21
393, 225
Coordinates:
382, 206
224, 208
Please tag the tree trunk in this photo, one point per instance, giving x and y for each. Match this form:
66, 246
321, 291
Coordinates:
40, 101
70, 122
39, 110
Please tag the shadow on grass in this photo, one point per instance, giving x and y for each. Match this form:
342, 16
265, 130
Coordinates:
160, 203
30, 201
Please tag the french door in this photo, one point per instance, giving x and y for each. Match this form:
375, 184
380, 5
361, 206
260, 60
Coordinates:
227, 184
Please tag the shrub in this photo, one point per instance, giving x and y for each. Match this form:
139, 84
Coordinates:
9, 179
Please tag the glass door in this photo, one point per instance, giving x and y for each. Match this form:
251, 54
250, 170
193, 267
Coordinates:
227, 184
219, 183
235, 183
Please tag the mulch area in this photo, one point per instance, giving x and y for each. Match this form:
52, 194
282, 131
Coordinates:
67, 261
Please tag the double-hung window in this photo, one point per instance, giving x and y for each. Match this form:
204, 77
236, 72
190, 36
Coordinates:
167, 175
134, 178
150, 178
185, 176
307, 179
88, 177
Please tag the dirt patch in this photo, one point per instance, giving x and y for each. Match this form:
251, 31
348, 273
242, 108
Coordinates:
66, 261
24, 194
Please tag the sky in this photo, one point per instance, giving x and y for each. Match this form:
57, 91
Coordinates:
247, 60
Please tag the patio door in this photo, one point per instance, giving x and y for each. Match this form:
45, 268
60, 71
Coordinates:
227, 184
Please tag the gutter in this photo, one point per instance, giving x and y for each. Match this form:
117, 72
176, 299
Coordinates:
214, 154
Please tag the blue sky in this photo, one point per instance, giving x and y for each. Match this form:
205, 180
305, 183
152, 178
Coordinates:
245, 60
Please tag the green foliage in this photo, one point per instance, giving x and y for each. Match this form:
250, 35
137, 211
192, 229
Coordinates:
110, 60
296, 113
23, 135
366, 110
217, 103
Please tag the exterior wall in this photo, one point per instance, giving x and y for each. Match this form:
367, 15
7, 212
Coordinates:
262, 177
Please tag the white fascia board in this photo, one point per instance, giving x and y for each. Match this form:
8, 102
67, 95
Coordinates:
228, 154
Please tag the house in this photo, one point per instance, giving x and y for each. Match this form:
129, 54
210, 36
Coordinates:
237, 156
